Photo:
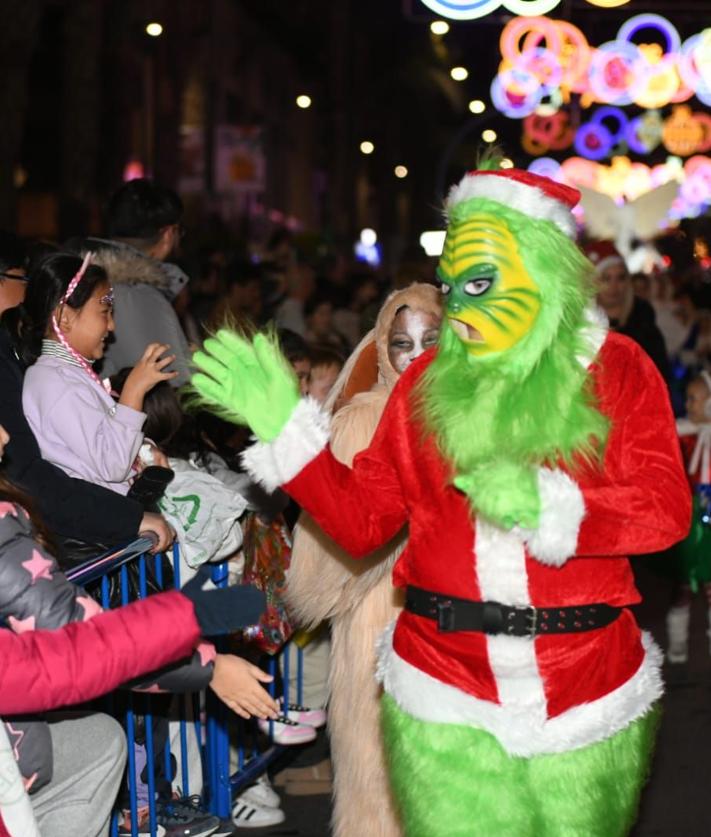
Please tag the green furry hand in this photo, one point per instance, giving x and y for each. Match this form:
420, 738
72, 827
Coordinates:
504, 493
246, 382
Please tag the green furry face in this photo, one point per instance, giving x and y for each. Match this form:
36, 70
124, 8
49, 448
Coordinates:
491, 300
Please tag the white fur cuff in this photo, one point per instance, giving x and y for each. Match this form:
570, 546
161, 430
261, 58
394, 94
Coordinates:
562, 512
302, 438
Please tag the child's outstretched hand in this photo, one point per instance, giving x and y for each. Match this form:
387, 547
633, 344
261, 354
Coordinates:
149, 371
237, 684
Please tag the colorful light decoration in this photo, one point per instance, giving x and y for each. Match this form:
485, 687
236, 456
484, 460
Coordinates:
683, 133
626, 180
472, 9
544, 59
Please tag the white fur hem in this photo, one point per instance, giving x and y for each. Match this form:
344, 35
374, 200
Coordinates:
520, 731
562, 512
530, 200
302, 438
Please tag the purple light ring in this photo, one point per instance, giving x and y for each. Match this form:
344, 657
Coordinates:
651, 21
504, 105
603, 136
611, 112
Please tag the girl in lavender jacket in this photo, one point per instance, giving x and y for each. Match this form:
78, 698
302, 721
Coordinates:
78, 425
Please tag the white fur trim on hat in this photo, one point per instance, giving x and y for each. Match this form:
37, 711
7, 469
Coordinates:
562, 512
302, 438
530, 200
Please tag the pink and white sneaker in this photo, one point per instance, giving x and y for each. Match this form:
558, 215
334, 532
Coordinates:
315, 718
287, 732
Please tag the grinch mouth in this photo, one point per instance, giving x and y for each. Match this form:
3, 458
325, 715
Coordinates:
465, 332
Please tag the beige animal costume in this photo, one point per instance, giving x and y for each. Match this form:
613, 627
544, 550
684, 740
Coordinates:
357, 596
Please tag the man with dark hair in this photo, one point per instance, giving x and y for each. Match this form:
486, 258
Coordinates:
144, 232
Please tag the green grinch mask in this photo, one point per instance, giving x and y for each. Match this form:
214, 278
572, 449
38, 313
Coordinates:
491, 300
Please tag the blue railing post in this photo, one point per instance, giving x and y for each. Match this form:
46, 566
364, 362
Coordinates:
218, 739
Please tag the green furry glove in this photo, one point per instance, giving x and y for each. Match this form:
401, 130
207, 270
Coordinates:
246, 382
504, 493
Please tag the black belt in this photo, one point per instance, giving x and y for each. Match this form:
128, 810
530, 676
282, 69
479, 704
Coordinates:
453, 614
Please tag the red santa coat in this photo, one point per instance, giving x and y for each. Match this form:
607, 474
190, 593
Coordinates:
544, 695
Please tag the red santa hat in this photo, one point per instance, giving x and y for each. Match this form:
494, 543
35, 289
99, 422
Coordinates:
531, 194
603, 254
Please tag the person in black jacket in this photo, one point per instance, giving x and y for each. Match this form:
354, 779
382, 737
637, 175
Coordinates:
71, 508
628, 314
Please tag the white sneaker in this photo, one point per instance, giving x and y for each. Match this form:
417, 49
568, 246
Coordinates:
247, 815
261, 793
287, 732
315, 718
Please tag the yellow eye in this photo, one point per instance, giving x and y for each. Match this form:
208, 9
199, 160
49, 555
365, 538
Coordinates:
477, 287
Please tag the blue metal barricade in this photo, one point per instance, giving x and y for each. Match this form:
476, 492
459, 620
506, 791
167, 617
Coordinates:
217, 734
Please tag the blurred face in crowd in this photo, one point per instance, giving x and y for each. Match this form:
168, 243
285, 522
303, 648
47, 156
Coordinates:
321, 320
697, 394
4, 439
12, 288
411, 333
323, 377
615, 288
302, 368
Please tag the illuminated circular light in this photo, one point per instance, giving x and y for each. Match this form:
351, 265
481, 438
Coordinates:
518, 81
303, 101
593, 141
439, 27
574, 56
400, 171
553, 105
477, 106
489, 135
506, 163
367, 147
544, 65
658, 83
459, 73
462, 9
611, 73
546, 167
650, 21
530, 7
620, 118
536, 28
154, 29
608, 4
368, 237
512, 105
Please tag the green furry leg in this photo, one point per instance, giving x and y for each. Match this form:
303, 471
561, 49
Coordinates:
595, 790
455, 781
